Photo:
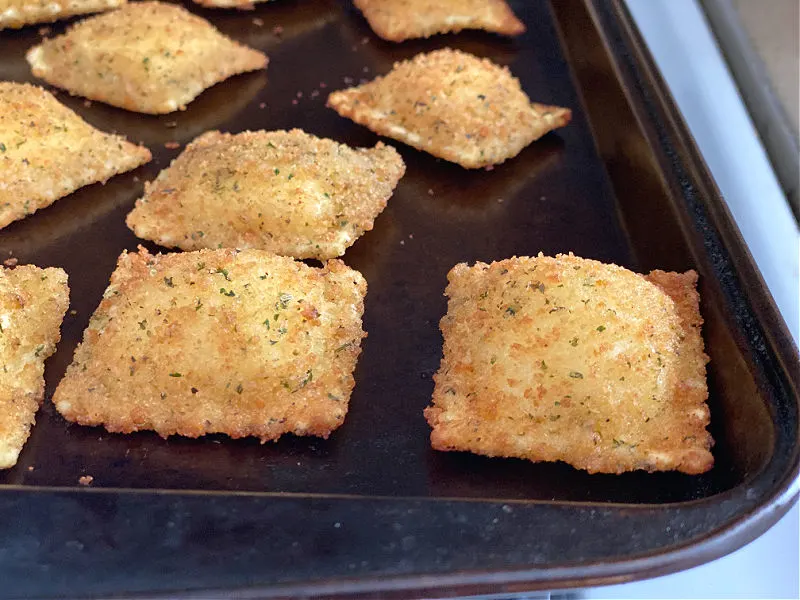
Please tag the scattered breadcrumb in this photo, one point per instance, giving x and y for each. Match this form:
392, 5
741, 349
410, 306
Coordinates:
453, 105
149, 57
35, 130
85, 479
285, 191
258, 22
32, 305
171, 145
11, 262
245, 343
400, 20
568, 359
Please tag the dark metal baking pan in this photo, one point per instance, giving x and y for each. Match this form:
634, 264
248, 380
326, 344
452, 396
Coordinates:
373, 510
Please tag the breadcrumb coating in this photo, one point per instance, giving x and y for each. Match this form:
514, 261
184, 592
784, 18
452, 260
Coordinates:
18, 13
245, 343
400, 20
47, 151
148, 57
569, 359
284, 191
33, 302
452, 105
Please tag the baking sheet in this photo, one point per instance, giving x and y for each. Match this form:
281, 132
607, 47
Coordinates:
594, 188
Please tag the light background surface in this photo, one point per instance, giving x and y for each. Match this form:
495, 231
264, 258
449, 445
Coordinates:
685, 51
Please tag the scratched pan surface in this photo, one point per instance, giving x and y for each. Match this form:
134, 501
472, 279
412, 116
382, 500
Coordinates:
374, 504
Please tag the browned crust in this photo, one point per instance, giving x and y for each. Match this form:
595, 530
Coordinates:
453, 105
400, 20
35, 169
608, 378
171, 57
32, 304
18, 13
288, 192
218, 341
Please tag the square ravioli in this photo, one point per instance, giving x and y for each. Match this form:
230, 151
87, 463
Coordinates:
284, 191
147, 57
453, 105
568, 359
400, 20
48, 152
18, 13
245, 343
32, 304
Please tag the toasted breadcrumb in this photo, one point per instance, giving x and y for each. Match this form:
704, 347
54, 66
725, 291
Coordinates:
218, 341
453, 105
400, 20
18, 13
47, 151
285, 191
149, 57
32, 304
568, 359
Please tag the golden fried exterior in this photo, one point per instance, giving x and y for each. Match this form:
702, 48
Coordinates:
284, 191
148, 57
241, 4
47, 151
568, 359
18, 13
453, 105
32, 304
400, 20
218, 341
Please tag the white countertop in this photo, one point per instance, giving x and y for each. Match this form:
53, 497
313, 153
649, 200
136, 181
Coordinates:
685, 51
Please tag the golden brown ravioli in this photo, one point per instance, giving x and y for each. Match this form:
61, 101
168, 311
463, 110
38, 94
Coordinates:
241, 4
32, 304
568, 359
285, 191
453, 105
245, 343
48, 152
18, 13
400, 20
147, 57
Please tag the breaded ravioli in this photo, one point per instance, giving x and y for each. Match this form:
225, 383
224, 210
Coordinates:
284, 191
453, 105
400, 20
568, 359
18, 13
48, 152
241, 4
32, 304
148, 57
245, 343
